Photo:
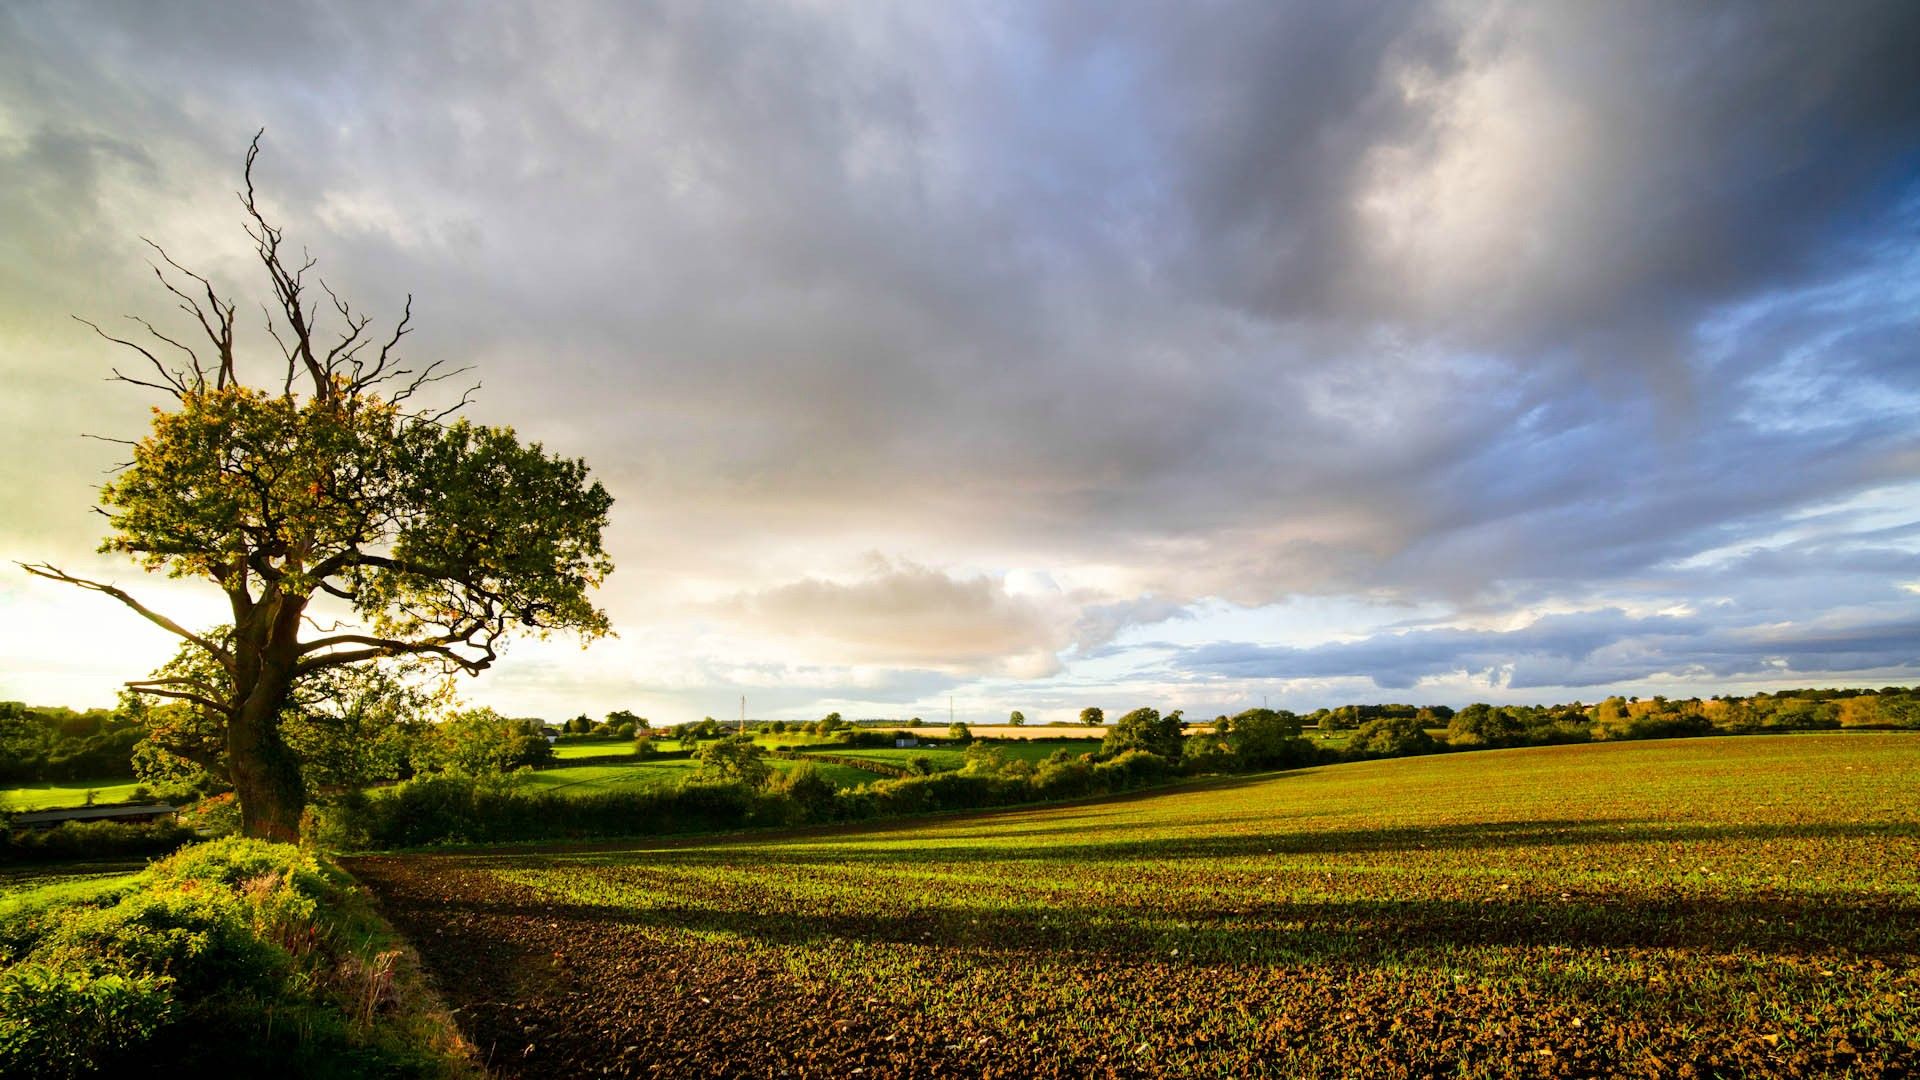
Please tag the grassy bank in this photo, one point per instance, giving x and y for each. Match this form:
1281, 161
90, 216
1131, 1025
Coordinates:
234, 957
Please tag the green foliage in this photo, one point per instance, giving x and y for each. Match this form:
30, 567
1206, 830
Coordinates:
1266, 739
57, 1020
480, 741
807, 791
959, 732
1145, 729
228, 958
1017, 718
442, 538
1093, 716
39, 743
91, 840
1480, 724
458, 809
1391, 736
738, 759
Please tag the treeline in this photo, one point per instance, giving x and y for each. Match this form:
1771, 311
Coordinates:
41, 744
1484, 725
736, 786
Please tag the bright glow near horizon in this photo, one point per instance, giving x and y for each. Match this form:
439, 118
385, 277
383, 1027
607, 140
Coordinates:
1051, 356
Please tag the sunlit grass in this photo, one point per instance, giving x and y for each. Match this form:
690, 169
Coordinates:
58, 794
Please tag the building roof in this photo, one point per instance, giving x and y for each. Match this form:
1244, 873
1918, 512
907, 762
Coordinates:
92, 813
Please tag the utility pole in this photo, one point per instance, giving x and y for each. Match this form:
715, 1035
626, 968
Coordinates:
949, 710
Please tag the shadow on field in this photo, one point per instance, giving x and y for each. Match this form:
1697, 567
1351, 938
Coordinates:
1235, 927
1083, 843
1354, 931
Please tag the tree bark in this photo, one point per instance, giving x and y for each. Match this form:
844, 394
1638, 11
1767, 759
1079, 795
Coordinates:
266, 775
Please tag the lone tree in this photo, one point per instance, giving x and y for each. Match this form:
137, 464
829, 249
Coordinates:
329, 486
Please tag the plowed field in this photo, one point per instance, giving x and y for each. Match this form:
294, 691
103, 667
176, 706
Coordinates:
1734, 906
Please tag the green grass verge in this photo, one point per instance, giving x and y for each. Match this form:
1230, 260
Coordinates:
234, 957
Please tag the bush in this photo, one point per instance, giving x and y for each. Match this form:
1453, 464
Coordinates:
249, 940
1130, 770
58, 1020
451, 809
809, 793
1392, 736
92, 840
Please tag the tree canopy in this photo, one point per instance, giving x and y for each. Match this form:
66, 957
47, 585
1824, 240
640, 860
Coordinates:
330, 487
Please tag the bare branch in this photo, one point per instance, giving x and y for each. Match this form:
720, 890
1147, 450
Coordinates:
156, 688
176, 383
54, 573
379, 647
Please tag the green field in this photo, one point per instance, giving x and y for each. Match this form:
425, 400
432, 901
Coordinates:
954, 755
52, 794
593, 779
592, 748
1726, 905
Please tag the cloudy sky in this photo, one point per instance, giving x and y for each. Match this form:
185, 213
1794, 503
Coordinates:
1046, 355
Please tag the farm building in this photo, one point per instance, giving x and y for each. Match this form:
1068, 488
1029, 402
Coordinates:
134, 812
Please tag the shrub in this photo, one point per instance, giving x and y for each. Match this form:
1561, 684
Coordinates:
1391, 736
1130, 770
92, 840
237, 937
809, 793
58, 1020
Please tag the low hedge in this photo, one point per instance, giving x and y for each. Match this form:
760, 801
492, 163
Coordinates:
92, 840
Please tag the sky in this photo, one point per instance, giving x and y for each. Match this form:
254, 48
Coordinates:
1036, 356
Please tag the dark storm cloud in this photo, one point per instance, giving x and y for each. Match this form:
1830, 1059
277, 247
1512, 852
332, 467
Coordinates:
1417, 302
1598, 648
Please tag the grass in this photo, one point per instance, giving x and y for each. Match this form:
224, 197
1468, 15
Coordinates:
1724, 905
233, 957
60, 794
953, 755
591, 779
591, 748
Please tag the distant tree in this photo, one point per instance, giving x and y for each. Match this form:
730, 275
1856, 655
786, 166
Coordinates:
619, 717
479, 742
1390, 736
1264, 738
1017, 718
643, 746
737, 758
580, 725
1481, 724
1093, 716
829, 724
1144, 729
959, 732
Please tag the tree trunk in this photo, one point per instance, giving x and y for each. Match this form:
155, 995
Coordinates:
266, 775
